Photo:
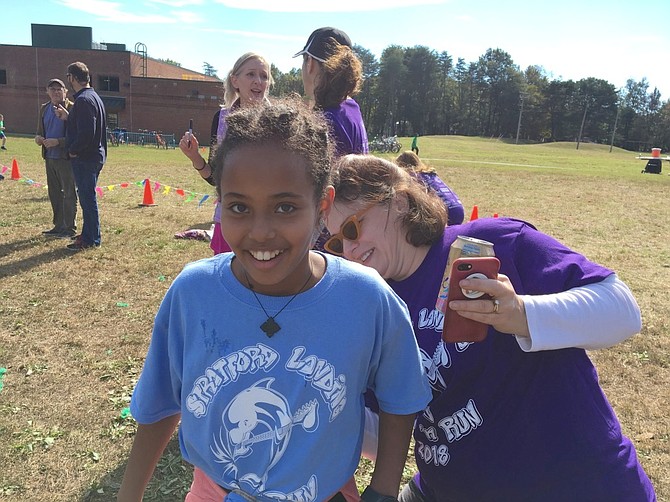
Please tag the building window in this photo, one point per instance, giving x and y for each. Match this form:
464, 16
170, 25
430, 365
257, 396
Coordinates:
107, 83
112, 120
3, 76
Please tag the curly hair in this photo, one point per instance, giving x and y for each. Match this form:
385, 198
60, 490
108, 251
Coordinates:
288, 124
340, 76
230, 93
375, 180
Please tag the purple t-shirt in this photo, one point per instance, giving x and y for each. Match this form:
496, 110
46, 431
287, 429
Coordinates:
510, 425
348, 129
455, 213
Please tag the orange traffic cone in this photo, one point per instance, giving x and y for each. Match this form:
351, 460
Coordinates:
475, 213
148, 194
15, 170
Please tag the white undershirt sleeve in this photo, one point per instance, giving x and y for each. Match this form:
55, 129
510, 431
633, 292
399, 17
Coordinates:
370, 435
590, 317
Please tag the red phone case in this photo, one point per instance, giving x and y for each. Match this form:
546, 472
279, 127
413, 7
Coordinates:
457, 328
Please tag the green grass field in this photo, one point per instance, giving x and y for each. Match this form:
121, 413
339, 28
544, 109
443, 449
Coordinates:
74, 329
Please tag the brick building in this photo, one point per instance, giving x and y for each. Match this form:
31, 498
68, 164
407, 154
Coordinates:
139, 92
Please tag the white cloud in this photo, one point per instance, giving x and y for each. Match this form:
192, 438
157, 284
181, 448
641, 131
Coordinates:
254, 34
322, 6
108, 11
178, 3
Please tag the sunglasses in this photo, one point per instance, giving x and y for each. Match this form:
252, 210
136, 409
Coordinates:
349, 230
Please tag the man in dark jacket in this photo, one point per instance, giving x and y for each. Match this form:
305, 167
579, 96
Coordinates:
60, 180
87, 148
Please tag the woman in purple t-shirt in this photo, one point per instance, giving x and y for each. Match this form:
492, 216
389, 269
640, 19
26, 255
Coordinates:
411, 162
519, 416
331, 75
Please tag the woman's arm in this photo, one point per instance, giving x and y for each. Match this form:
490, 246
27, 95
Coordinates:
190, 146
594, 316
150, 441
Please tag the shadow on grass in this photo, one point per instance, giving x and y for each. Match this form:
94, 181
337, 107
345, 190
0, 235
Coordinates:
12, 268
170, 482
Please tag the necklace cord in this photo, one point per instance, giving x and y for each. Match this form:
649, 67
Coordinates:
270, 326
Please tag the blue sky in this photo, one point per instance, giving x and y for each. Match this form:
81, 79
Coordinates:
572, 39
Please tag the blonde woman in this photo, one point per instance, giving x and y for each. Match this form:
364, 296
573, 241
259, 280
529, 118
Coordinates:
247, 84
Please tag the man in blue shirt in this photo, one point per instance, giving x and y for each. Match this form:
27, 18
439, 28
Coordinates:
87, 148
60, 180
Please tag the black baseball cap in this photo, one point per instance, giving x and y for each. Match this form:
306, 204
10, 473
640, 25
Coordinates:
56, 81
317, 47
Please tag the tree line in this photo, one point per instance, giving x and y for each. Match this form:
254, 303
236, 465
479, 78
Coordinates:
417, 90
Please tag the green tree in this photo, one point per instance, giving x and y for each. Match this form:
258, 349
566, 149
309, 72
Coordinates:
286, 84
559, 97
417, 90
420, 91
597, 100
446, 90
389, 86
170, 61
535, 116
209, 70
502, 81
366, 98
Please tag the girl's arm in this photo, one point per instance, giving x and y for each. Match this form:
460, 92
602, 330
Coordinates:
394, 435
150, 441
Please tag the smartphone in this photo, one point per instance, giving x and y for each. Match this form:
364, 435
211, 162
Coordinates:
457, 328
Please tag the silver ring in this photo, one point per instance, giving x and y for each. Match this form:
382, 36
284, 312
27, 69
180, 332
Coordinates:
496, 306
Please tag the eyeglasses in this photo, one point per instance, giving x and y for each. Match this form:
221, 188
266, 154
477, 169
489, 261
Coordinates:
349, 230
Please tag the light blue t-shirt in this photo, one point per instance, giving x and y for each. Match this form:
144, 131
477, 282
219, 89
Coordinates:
280, 418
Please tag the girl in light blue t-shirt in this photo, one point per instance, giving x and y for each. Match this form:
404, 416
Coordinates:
265, 353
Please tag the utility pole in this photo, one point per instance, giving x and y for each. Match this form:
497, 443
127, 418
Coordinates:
581, 129
518, 126
616, 120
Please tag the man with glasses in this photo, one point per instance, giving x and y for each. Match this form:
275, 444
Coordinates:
60, 180
87, 148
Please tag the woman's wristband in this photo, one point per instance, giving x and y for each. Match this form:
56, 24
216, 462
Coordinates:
203, 166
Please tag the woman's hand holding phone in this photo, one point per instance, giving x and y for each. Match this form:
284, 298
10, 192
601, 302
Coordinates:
459, 328
472, 302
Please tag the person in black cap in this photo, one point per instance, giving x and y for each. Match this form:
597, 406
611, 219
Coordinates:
60, 180
331, 75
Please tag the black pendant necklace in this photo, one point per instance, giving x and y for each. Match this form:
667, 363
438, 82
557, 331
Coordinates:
270, 326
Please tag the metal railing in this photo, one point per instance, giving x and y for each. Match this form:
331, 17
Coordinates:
142, 137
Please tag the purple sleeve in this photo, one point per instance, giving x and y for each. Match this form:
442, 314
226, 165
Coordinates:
455, 211
535, 262
544, 265
347, 128
445, 193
